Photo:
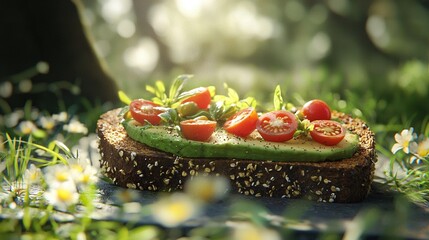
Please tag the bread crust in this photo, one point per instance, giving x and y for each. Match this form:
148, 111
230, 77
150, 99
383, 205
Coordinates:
134, 165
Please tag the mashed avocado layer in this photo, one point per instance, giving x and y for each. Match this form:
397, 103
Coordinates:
225, 145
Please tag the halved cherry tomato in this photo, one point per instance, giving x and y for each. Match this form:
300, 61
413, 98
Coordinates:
242, 123
144, 110
201, 96
277, 126
316, 110
197, 129
327, 132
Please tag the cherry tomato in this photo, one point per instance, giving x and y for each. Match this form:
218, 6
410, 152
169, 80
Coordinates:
316, 110
327, 132
197, 129
242, 123
277, 126
144, 110
201, 96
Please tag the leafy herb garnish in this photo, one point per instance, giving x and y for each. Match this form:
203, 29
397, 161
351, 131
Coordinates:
172, 98
279, 103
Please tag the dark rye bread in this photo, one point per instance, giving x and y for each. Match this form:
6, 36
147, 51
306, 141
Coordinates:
134, 165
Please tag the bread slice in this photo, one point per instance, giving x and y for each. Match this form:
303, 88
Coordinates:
134, 165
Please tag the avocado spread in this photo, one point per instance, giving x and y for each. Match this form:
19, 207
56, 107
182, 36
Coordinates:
225, 145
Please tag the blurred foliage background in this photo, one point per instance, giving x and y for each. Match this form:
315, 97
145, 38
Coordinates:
368, 58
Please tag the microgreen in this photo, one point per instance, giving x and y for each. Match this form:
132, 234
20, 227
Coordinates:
161, 96
124, 98
224, 106
278, 101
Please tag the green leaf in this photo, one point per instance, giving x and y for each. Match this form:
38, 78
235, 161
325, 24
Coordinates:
124, 98
27, 218
278, 99
145, 233
64, 148
170, 116
212, 90
159, 89
233, 95
39, 133
177, 85
150, 89
249, 102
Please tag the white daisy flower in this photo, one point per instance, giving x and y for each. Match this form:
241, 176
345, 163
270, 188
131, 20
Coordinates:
58, 174
403, 141
60, 117
62, 195
207, 188
26, 127
423, 148
174, 209
75, 126
12, 119
82, 172
420, 150
33, 175
47, 123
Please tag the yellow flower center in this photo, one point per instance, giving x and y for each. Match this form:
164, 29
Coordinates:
64, 195
49, 125
85, 178
62, 176
422, 150
77, 168
405, 144
27, 130
34, 176
179, 211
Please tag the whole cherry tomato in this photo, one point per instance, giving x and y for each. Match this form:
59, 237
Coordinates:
316, 110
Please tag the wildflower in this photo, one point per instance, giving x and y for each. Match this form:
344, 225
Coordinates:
423, 148
60, 117
403, 141
245, 231
87, 148
12, 119
47, 123
174, 209
75, 126
58, 174
33, 175
62, 195
26, 127
208, 188
420, 150
82, 172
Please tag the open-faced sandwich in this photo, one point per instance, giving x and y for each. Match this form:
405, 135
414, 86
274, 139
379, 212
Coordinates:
309, 152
